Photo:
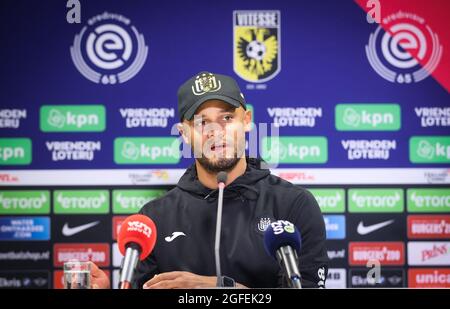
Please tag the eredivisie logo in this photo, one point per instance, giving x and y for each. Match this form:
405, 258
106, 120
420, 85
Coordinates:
406, 51
109, 50
256, 45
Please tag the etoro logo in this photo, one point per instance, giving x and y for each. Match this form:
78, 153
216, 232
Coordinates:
428, 200
387, 253
72, 118
295, 149
15, 151
330, 200
81, 201
376, 200
408, 51
429, 278
368, 117
109, 50
151, 150
429, 149
130, 201
24, 202
83, 252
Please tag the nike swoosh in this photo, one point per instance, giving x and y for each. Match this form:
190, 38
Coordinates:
364, 230
69, 231
174, 235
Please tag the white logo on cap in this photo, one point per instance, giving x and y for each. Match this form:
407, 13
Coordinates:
204, 83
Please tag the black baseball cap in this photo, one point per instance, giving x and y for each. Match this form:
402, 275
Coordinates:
206, 86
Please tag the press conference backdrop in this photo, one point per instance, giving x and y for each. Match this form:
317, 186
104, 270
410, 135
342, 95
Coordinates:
88, 102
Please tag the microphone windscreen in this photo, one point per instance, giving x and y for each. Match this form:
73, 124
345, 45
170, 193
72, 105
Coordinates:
281, 233
222, 177
138, 229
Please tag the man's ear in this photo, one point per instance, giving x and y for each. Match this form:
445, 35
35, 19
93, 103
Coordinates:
183, 128
248, 121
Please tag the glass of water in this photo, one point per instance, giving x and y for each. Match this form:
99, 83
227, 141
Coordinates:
77, 275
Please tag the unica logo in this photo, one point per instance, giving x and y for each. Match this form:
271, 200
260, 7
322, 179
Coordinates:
429, 200
131, 201
146, 150
295, 149
15, 151
72, 118
330, 200
429, 149
375, 200
81, 201
24, 202
368, 117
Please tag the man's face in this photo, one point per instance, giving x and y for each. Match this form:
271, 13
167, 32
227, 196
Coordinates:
217, 134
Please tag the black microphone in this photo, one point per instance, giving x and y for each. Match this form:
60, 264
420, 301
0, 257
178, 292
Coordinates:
282, 242
221, 180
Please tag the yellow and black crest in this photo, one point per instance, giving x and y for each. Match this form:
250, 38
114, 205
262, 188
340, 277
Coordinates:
256, 45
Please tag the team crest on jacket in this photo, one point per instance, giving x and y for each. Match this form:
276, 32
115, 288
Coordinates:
256, 45
263, 224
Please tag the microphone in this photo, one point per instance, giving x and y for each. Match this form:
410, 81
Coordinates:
221, 180
136, 239
282, 242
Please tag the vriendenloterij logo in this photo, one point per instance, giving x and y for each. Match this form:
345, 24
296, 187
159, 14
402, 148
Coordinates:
429, 149
109, 50
368, 117
72, 118
15, 151
408, 51
147, 150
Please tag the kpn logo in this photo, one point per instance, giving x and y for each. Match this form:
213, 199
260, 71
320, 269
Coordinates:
429, 149
24, 202
368, 117
375, 200
81, 201
15, 151
72, 118
295, 149
147, 150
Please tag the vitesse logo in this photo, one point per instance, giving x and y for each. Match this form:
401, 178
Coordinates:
256, 45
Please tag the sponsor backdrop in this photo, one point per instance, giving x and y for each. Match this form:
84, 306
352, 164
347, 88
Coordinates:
360, 101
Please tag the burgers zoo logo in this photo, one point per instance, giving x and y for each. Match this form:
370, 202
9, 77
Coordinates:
408, 51
109, 50
256, 45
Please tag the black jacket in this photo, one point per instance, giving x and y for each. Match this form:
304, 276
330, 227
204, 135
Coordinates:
250, 202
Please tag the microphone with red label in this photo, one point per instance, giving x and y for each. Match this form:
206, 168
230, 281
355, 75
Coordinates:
136, 240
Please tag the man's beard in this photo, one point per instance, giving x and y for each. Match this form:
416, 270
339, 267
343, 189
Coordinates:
222, 164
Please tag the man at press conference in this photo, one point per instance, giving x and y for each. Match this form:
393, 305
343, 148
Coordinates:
214, 120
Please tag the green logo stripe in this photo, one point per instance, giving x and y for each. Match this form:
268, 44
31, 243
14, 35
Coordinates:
72, 118
146, 150
368, 117
330, 200
429, 149
81, 201
24, 202
375, 200
15, 151
428, 200
131, 201
295, 149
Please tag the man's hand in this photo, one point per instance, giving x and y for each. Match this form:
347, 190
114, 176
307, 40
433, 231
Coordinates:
99, 280
182, 280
